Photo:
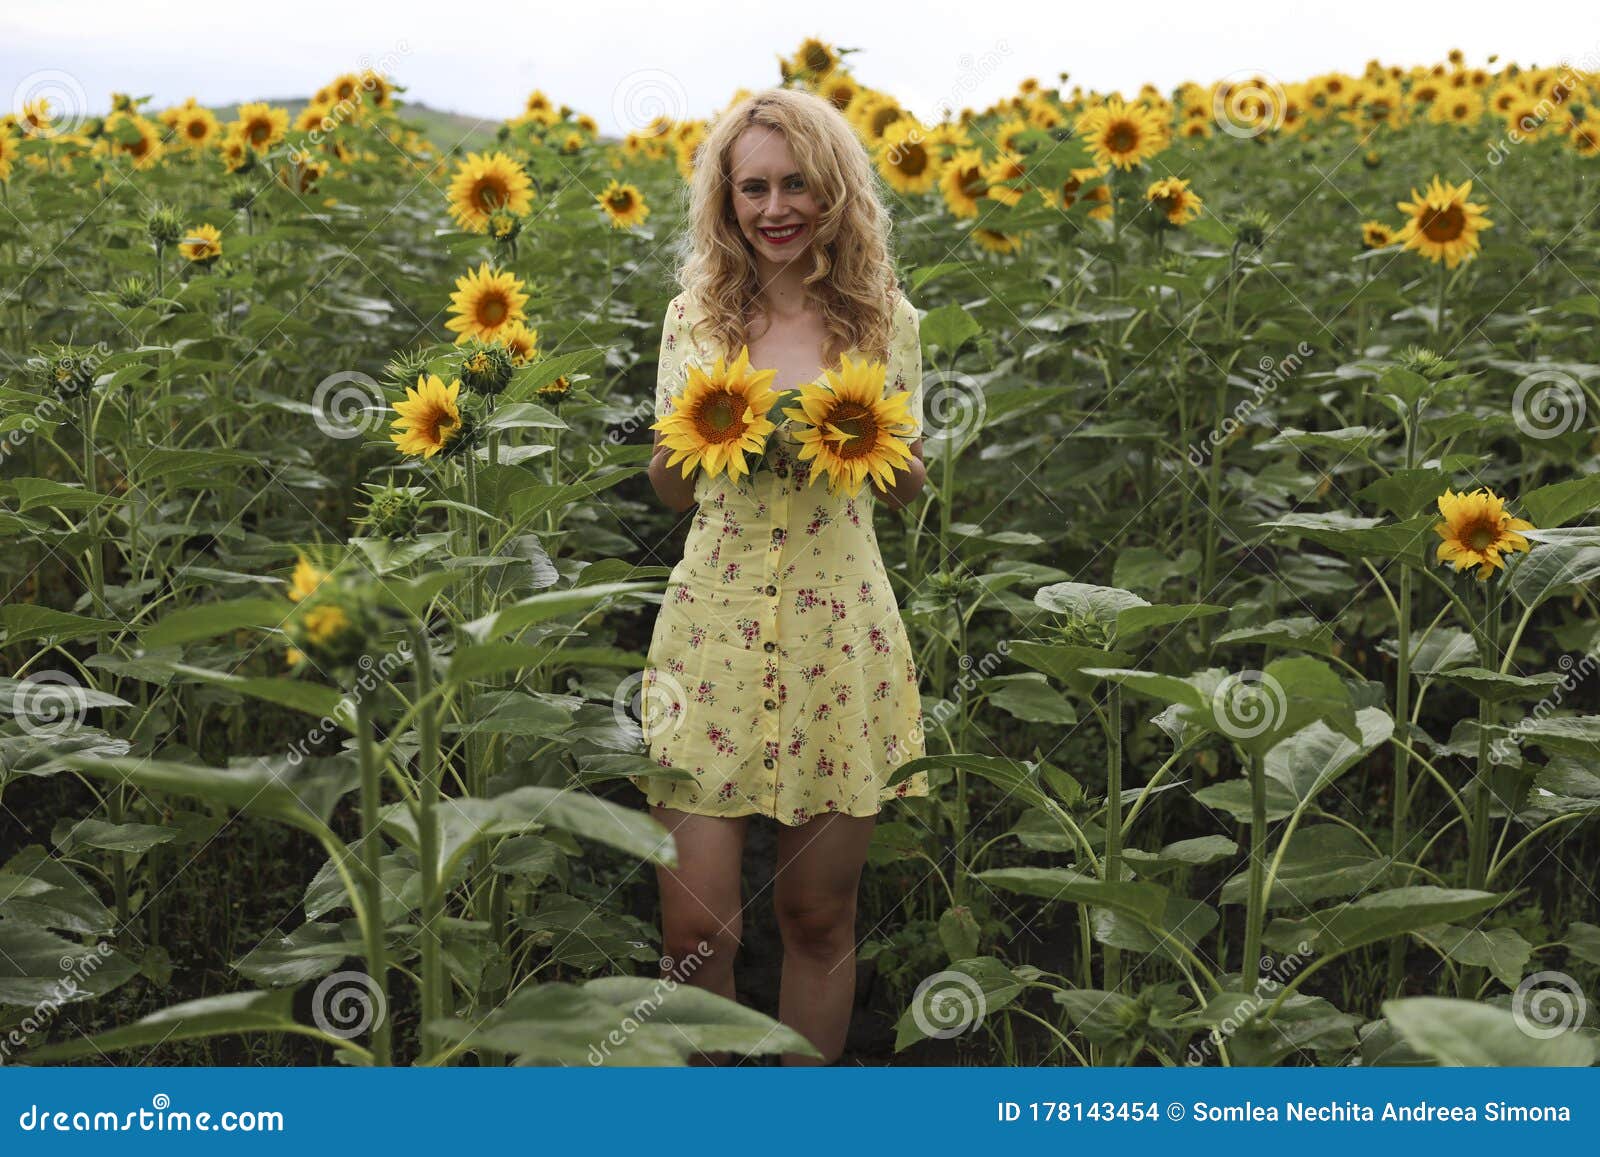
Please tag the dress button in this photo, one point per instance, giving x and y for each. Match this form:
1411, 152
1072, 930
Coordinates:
770, 704
769, 645
771, 590
767, 763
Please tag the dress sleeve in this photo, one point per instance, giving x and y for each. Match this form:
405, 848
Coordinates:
905, 360
669, 367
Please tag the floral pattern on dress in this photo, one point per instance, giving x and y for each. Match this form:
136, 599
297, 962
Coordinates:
779, 673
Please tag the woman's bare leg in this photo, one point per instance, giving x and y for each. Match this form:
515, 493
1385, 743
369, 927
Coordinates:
701, 907
818, 875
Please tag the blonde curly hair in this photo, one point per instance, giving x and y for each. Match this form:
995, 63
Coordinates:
852, 278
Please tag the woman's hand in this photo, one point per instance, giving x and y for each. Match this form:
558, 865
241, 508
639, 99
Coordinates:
907, 483
674, 490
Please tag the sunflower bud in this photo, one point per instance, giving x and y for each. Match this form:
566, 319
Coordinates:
487, 368
1424, 361
240, 194
405, 367
1253, 227
391, 511
134, 291
66, 370
334, 618
1083, 631
554, 393
504, 227
1371, 159
165, 226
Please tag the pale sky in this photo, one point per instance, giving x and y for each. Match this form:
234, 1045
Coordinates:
623, 61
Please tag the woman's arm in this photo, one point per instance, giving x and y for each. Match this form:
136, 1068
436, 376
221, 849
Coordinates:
907, 482
672, 488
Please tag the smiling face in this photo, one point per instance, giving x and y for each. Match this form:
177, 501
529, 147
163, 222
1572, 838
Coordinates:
775, 209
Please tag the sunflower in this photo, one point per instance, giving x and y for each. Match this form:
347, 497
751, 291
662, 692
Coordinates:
202, 244
1376, 235
197, 128
485, 302
1005, 167
719, 417
236, 154
429, 417
261, 126
624, 205
8, 150
1172, 196
305, 580
962, 183
997, 242
1121, 135
484, 184
1477, 531
850, 428
1443, 224
522, 342
906, 159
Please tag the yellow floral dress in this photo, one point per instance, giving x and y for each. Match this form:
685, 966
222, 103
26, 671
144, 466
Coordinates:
779, 673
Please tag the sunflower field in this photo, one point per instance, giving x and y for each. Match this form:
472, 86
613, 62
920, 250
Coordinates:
1253, 589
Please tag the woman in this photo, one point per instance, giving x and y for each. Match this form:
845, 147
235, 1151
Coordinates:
779, 672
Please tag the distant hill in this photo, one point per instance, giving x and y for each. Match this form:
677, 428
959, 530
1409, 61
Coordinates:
448, 130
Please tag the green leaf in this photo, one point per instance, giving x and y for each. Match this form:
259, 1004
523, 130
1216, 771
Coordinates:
549, 605
1302, 633
235, 1012
1029, 698
1459, 1033
1550, 568
620, 1020
1561, 502
1314, 757
1134, 621
311, 951
1404, 493
301, 795
1380, 916
1145, 902
38, 966
958, 999
1500, 688
1501, 950
948, 328
1322, 860
208, 619
24, 622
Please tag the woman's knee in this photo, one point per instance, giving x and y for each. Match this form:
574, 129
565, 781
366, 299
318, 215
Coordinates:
817, 925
